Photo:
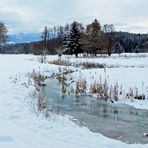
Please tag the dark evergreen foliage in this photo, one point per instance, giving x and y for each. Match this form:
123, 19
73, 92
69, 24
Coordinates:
72, 39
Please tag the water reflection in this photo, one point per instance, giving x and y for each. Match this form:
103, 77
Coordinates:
98, 115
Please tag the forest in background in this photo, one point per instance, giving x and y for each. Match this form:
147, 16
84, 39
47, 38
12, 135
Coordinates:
76, 38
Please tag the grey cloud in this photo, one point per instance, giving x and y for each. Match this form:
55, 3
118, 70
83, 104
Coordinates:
31, 15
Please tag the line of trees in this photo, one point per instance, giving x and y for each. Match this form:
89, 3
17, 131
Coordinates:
93, 38
74, 38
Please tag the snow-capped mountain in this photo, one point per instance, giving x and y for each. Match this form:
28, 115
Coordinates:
24, 38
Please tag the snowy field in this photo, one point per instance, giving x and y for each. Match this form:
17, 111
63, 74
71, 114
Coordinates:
128, 70
20, 127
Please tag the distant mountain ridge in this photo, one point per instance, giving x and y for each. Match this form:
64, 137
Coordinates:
24, 38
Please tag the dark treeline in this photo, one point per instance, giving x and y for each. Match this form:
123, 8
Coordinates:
76, 38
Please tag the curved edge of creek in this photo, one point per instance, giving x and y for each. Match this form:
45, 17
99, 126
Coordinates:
116, 121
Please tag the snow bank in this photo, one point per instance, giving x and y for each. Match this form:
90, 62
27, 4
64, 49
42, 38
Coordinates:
19, 125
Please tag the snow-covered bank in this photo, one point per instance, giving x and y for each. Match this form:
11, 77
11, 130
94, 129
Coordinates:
129, 71
21, 128
125, 77
124, 60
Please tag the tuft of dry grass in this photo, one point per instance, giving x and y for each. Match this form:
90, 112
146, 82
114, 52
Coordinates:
81, 87
38, 78
89, 65
100, 89
85, 65
40, 103
134, 94
62, 79
60, 62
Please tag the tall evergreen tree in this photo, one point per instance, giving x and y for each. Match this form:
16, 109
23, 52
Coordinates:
73, 38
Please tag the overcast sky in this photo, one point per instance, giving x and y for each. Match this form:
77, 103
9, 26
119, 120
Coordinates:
23, 16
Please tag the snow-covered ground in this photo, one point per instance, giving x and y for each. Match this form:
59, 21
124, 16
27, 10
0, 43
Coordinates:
20, 127
127, 77
123, 60
129, 71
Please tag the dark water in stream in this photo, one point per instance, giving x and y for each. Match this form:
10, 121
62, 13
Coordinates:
117, 121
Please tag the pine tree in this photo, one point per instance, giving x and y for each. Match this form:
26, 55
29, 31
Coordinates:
73, 39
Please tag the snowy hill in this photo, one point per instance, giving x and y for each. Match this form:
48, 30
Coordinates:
24, 38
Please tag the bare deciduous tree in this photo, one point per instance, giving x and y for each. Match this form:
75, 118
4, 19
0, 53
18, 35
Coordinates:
45, 36
3, 34
93, 37
109, 29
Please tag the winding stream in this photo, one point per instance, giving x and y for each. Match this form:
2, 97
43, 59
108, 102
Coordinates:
117, 121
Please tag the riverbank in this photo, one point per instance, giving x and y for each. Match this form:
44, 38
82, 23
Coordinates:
21, 127
128, 72
109, 119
